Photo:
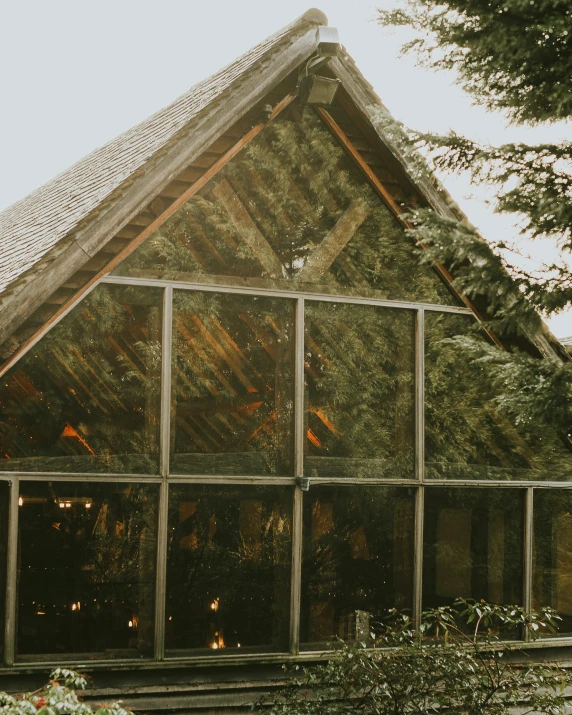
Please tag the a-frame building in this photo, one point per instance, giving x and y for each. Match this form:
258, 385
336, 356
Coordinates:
232, 424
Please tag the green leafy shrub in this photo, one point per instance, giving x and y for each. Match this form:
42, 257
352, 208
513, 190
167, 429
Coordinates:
58, 697
458, 659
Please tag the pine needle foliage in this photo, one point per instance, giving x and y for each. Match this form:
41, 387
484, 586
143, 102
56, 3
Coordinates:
514, 56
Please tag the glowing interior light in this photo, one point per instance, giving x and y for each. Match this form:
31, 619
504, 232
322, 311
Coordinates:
170, 618
62, 505
88, 505
74, 606
68, 504
214, 646
130, 624
20, 501
214, 605
238, 645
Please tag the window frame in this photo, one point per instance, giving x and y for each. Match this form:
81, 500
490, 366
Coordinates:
296, 480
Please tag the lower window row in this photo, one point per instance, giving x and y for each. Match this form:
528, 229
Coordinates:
87, 582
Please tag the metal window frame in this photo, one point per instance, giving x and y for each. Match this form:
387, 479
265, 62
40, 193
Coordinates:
420, 483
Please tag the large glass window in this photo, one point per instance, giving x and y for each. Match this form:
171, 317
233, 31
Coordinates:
228, 572
552, 554
291, 211
86, 397
86, 576
468, 436
357, 560
360, 366
473, 545
90, 397
232, 385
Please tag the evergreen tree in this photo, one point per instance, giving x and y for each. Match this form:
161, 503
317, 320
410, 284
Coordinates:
514, 56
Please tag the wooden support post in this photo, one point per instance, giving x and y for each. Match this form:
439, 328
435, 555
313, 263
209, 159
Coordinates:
248, 231
335, 241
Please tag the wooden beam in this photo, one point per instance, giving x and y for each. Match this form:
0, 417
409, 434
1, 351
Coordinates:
330, 122
320, 260
151, 228
394, 208
248, 231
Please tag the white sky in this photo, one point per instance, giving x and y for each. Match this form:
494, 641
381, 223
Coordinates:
76, 73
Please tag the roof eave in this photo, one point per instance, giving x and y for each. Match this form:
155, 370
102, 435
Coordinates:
19, 301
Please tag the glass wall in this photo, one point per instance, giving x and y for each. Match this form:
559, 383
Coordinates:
357, 560
468, 436
232, 389
86, 569
217, 472
86, 397
473, 545
552, 554
360, 367
228, 568
290, 212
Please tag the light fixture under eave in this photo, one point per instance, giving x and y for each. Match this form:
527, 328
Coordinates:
317, 90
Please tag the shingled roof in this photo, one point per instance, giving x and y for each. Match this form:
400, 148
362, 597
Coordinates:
62, 229
31, 227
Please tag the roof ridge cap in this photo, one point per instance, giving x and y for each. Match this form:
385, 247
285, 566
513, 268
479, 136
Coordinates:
312, 15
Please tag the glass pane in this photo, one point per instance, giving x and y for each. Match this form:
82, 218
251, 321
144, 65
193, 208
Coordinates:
552, 553
473, 545
467, 435
86, 577
290, 211
359, 364
232, 384
357, 560
86, 397
228, 568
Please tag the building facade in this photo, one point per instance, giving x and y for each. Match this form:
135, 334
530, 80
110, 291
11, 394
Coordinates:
235, 416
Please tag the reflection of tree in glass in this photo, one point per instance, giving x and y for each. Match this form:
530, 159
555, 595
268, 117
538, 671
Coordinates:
228, 578
268, 213
473, 545
87, 574
232, 384
552, 554
358, 558
86, 398
360, 379
468, 435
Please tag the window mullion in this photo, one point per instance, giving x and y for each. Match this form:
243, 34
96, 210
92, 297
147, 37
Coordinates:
166, 356
419, 462
12, 575
418, 554
165, 445
420, 395
528, 539
299, 421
